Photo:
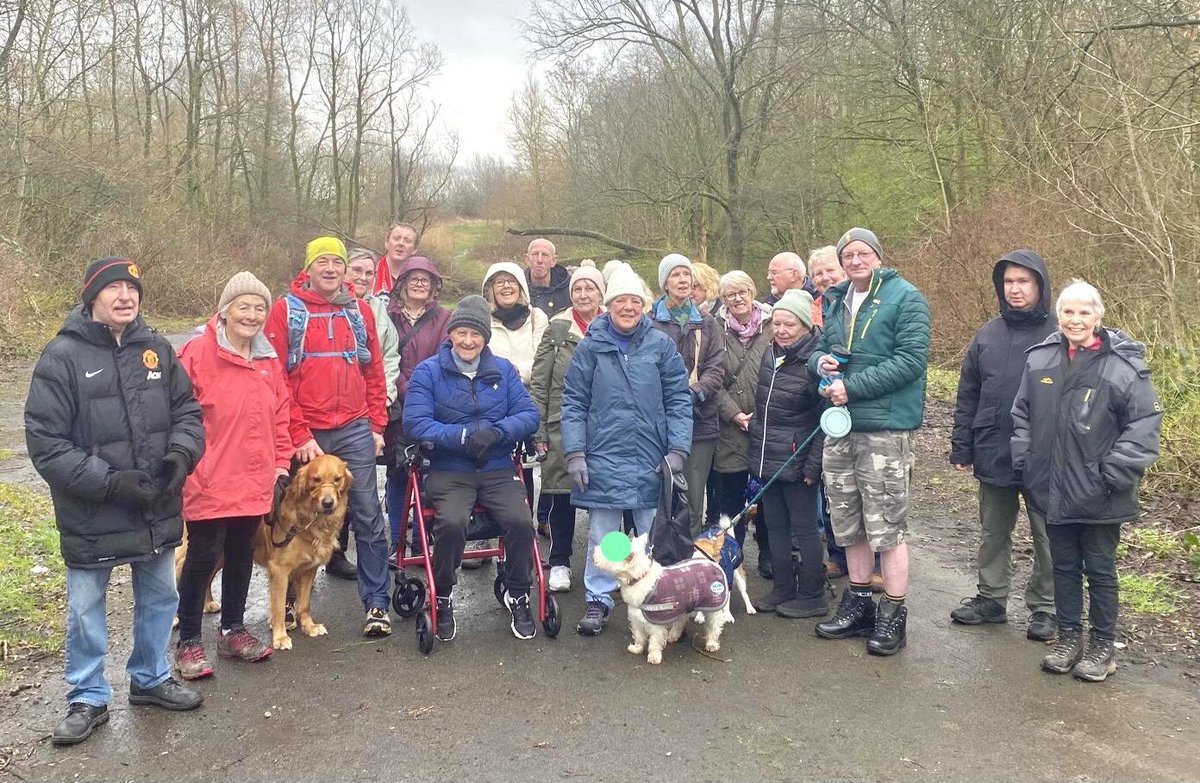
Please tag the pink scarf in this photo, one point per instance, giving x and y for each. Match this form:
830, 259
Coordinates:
745, 332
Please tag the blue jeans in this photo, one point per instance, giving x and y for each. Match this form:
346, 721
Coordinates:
154, 604
598, 584
353, 443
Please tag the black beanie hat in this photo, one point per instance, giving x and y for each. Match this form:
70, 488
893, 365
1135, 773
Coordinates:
472, 311
103, 271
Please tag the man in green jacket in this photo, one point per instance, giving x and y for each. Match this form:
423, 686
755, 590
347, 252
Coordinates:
872, 359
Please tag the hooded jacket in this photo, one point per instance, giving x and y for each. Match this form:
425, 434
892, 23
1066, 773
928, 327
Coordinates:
991, 373
553, 298
445, 407
787, 409
545, 387
1085, 430
247, 410
329, 392
737, 395
702, 348
425, 341
94, 408
889, 344
518, 345
624, 412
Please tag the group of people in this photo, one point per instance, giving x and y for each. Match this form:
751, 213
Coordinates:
610, 385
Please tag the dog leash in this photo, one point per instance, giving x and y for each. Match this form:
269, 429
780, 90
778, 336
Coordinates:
762, 491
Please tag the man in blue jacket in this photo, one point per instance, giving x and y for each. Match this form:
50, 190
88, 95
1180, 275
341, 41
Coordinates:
472, 406
983, 425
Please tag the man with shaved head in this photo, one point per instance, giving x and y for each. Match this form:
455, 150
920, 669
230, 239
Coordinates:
549, 283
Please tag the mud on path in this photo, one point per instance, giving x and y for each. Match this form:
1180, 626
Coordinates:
776, 704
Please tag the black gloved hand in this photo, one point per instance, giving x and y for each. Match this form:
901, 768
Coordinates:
481, 442
173, 471
132, 489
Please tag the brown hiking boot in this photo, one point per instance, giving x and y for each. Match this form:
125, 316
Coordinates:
1067, 652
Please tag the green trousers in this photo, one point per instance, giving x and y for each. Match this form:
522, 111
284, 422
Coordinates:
998, 508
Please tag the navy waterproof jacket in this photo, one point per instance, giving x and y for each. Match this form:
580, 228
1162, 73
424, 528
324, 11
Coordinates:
625, 411
445, 407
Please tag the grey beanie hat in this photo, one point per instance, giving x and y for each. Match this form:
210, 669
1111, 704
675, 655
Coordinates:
861, 235
240, 284
473, 312
799, 303
669, 262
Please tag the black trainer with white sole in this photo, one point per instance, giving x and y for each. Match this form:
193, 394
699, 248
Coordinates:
523, 626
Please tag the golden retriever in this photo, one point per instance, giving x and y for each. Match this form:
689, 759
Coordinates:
302, 539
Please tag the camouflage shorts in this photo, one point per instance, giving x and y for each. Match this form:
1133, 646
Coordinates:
867, 476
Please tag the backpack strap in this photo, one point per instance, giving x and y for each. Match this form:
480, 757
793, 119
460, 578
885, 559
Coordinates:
297, 322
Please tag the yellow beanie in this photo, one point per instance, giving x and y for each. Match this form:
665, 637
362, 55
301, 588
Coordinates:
324, 246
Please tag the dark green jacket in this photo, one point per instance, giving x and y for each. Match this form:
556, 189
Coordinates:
889, 347
550, 364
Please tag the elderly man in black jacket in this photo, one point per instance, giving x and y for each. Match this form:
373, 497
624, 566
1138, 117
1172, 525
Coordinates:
991, 374
112, 426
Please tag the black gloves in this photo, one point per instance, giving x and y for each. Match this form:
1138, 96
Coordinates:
675, 460
173, 471
132, 489
481, 442
577, 470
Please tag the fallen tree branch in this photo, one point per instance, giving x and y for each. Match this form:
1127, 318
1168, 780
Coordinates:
580, 232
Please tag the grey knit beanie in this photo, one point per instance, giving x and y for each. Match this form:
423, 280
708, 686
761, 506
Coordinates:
243, 283
670, 262
861, 235
472, 311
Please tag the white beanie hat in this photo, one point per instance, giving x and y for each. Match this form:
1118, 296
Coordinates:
624, 281
670, 262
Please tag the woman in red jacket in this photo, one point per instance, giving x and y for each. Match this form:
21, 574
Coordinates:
244, 397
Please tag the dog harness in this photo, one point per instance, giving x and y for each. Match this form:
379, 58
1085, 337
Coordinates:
688, 586
730, 556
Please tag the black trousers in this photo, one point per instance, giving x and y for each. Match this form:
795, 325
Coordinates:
562, 527
791, 508
1085, 549
727, 495
452, 496
208, 540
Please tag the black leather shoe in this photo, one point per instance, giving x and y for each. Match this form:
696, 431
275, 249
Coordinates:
855, 617
1043, 627
800, 608
766, 569
340, 567
891, 629
170, 694
81, 720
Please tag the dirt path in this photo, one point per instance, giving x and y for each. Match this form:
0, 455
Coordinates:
958, 704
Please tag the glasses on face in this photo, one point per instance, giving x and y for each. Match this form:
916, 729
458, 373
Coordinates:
865, 255
734, 296
504, 282
420, 282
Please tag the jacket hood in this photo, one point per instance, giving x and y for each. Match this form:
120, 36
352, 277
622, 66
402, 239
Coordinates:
1115, 340
1034, 263
512, 269
301, 288
260, 346
79, 324
560, 277
661, 312
419, 264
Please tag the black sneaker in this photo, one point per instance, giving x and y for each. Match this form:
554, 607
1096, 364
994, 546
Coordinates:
855, 617
522, 624
595, 617
378, 623
891, 628
979, 609
445, 619
170, 694
78, 725
1043, 627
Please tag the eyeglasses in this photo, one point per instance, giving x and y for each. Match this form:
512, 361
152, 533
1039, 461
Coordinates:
505, 282
733, 296
420, 282
865, 255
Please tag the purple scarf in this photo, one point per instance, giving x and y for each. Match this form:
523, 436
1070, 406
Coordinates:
745, 332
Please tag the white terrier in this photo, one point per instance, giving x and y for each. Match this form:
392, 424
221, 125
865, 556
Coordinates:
660, 599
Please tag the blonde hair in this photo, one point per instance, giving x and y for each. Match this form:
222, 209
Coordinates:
822, 253
736, 281
1081, 291
707, 278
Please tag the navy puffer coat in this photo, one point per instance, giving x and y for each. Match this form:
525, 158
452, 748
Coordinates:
625, 411
444, 406
787, 409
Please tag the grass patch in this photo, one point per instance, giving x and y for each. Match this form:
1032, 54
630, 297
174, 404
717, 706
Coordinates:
1161, 544
942, 384
33, 579
1150, 594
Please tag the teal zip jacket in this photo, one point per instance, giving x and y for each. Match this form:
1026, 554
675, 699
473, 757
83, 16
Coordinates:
889, 347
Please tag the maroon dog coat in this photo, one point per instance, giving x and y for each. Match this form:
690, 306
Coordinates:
688, 586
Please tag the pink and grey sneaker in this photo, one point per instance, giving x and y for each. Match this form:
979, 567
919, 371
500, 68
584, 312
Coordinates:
240, 643
191, 661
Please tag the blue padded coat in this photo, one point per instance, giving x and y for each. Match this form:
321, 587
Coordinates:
625, 411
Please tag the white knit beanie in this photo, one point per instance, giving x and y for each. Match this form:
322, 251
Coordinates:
624, 281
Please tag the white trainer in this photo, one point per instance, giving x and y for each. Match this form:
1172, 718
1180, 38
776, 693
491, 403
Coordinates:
560, 579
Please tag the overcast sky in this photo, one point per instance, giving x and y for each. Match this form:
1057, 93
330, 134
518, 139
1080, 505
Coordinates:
484, 64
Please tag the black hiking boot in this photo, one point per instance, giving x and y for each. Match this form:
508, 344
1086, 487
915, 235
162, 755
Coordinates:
1098, 662
341, 567
978, 610
1042, 627
81, 720
855, 617
1067, 652
891, 628
800, 608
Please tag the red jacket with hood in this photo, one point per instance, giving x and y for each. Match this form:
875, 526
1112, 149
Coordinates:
329, 392
246, 407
